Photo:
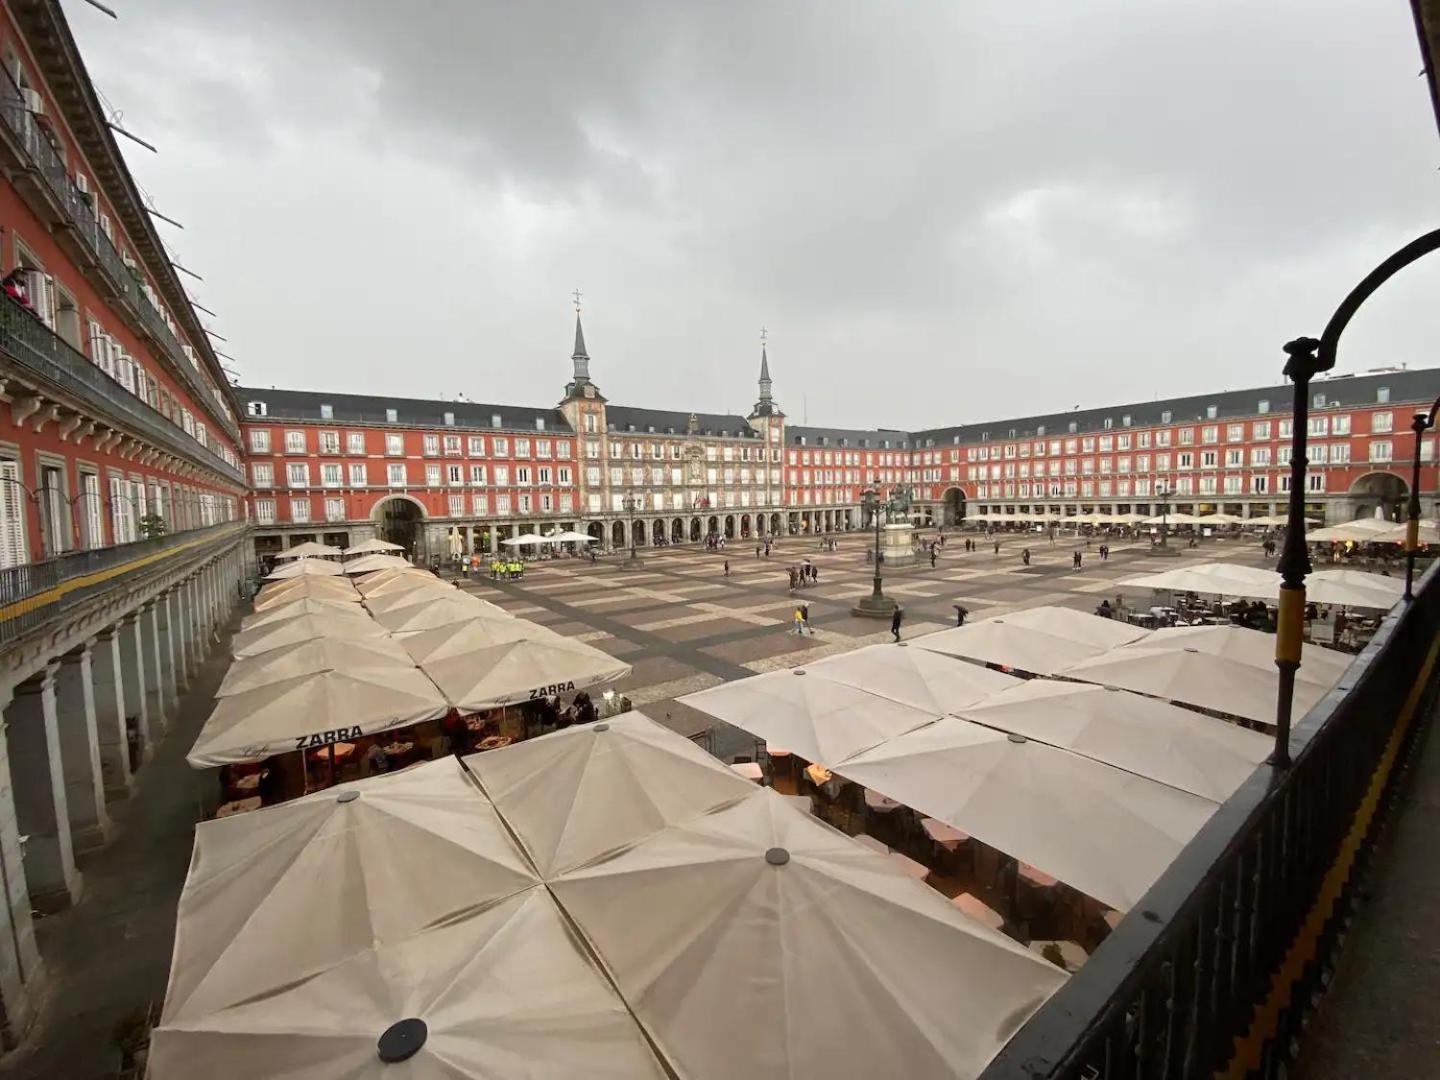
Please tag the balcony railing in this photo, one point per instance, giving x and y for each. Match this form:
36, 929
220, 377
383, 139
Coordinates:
32, 594
1213, 971
80, 212
53, 361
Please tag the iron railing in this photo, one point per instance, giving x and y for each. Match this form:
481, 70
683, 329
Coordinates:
80, 212
55, 362
32, 594
1214, 970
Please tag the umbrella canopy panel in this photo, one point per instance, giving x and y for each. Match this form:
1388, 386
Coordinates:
307, 550
1195, 753
1254, 647
307, 588
583, 792
383, 581
1213, 578
305, 568
1354, 588
369, 564
924, 680
309, 657
373, 547
466, 638
822, 721
1000, 641
305, 605
300, 628
527, 669
314, 710
428, 612
1191, 677
760, 919
1105, 831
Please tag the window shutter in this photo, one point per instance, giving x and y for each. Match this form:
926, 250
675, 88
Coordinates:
12, 515
94, 529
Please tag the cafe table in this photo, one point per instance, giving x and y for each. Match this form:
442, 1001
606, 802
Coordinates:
247, 785
748, 769
881, 804
947, 836
978, 910
494, 742
1036, 877
238, 806
916, 870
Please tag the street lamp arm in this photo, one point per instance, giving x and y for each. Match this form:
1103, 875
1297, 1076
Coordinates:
1330, 340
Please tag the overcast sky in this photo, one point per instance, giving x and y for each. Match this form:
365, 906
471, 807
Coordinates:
943, 212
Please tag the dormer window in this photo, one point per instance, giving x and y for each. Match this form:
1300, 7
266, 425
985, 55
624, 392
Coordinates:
495, 420
449, 419
255, 408
327, 412
392, 416
1382, 395
539, 423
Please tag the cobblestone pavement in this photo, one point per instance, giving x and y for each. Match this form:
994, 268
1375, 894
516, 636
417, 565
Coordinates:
686, 626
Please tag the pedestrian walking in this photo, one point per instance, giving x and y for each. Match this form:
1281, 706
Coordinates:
960, 612
1078, 558
895, 621
1025, 556
727, 567
805, 618
932, 558
757, 551
814, 576
799, 620
997, 547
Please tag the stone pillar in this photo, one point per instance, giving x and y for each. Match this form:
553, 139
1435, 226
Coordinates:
165, 632
108, 675
20, 966
494, 541
133, 644
41, 809
190, 626
148, 629
80, 749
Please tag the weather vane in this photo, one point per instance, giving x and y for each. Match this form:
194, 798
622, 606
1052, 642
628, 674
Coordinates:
763, 335
576, 294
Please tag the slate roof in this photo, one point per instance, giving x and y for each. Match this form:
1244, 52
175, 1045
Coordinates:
865, 439
619, 417
411, 412
1344, 391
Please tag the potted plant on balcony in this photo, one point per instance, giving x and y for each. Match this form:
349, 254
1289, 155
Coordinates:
151, 526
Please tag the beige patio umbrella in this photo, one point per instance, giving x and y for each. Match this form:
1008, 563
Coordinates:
1042, 640
308, 657
314, 710
307, 550
276, 593
757, 918
305, 568
924, 680
440, 611
1191, 677
521, 670
413, 593
1221, 519
372, 547
1253, 647
1214, 578
1429, 534
821, 720
1173, 519
300, 628
465, 638
1105, 831
1354, 588
368, 564
1195, 753
383, 580
308, 930
305, 605
592, 789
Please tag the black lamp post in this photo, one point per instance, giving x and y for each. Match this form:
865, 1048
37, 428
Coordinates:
1422, 423
631, 503
877, 605
1163, 491
1308, 358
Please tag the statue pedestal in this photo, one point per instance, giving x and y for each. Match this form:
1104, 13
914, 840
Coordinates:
898, 544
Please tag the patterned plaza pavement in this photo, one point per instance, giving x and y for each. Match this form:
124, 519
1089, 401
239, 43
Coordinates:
685, 626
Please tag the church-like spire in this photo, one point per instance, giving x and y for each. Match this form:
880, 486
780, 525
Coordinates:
580, 357
766, 405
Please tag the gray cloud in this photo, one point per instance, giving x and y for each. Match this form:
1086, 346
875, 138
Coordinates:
942, 212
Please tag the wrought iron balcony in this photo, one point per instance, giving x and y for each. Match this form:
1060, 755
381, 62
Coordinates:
33, 594
80, 218
52, 362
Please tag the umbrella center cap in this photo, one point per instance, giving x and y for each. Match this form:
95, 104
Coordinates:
347, 796
777, 856
402, 1040
1189, 649
602, 727
1017, 738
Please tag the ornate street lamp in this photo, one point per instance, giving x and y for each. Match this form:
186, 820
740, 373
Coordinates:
1163, 490
631, 503
1308, 358
877, 605
1422, 423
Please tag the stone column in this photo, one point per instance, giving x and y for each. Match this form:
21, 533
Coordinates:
165, 631
494, 541
41, 810
191, 627
80, 749
132, 656
108, 675
20, 965
148, 629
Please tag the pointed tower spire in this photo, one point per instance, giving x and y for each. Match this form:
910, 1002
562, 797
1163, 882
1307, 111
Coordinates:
580, 357
766, 405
